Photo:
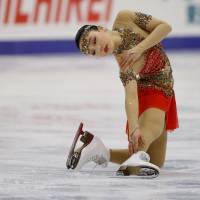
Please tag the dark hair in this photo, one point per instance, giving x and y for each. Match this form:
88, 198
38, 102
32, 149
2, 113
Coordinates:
81, 31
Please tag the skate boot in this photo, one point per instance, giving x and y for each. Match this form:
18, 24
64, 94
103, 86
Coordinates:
138, 164
92, 149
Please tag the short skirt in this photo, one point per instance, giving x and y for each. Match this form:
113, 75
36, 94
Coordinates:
153, 98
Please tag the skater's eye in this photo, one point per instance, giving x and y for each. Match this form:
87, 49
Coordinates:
90, 40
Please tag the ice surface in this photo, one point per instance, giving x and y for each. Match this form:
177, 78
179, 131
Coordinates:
42, 101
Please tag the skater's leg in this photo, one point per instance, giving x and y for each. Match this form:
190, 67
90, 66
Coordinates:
118, 156
92, 149
151, 123
157, 150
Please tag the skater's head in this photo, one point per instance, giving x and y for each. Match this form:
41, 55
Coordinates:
94, 40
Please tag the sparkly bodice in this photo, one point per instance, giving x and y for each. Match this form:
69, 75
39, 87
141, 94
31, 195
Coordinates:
156, 72
129, 39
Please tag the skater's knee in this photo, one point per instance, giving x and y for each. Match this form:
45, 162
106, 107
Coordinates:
159, 163
151, 131
152, 123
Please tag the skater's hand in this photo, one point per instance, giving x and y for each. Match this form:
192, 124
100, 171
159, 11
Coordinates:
129, 57
135, 139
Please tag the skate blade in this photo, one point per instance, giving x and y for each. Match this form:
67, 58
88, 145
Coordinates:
71, 151
139, 171
74, 156
73, 160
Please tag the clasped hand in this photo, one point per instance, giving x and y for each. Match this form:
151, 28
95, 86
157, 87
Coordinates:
135, 139
129, 57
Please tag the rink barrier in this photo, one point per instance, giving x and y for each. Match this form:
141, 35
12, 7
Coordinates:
68, 46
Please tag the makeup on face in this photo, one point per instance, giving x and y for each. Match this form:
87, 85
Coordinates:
106, 49
99, 44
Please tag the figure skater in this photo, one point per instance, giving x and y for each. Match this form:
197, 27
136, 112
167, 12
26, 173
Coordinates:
146, 74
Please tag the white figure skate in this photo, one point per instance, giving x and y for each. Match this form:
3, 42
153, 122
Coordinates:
92, 149
140, 165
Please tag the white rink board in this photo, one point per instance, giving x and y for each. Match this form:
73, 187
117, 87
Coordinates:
22, 21
42, 101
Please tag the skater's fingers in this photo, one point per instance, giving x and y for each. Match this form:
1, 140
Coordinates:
135, 144
130, 147
128, 64
141, 140
125, 62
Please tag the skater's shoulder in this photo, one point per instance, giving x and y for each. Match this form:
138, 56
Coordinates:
124, 14
123, 18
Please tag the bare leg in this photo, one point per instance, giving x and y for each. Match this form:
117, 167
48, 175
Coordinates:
152, 124
119, 155
157, 150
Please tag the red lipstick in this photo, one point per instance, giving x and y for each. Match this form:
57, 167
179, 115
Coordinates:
106, 49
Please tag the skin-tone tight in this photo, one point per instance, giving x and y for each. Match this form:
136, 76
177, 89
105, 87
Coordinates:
152, 125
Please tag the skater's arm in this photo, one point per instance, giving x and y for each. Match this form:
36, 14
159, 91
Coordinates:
157, 29
131, 104
129, 80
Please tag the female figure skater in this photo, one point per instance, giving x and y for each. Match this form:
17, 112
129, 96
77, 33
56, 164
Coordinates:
150, 104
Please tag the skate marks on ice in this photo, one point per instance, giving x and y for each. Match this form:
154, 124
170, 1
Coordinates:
169, 185
40, 108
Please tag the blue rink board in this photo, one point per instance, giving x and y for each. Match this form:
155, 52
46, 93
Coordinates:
68, 46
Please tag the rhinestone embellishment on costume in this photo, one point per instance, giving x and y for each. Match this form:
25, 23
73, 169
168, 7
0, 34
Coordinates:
156, 72
162, 80
129, 39
143, 19
127, 76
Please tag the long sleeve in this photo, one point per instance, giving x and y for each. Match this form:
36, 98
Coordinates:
131, 98
131, 105
156, 28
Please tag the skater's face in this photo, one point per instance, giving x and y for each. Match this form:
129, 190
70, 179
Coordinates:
100, 43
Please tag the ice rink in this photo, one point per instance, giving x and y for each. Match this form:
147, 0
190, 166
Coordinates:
42, 101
